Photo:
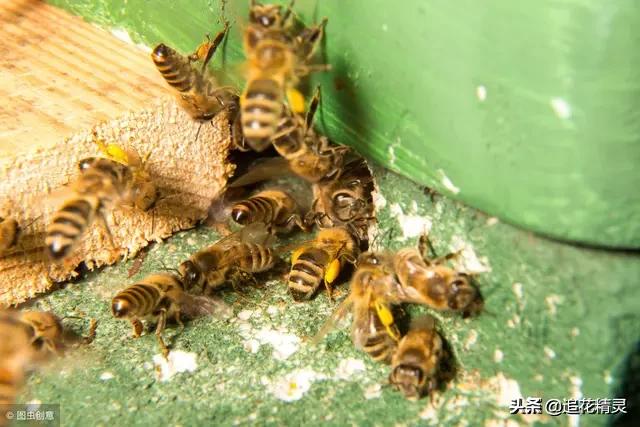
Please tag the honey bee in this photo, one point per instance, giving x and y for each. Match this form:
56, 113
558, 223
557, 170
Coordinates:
159, 297
9, 231
16, 356
345, 199
320, 261
103, 182
308, 154
277, 59
275, 208
197, 92
373, 293
234, 258
438, 286
416, 363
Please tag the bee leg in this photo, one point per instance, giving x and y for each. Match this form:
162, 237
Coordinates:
292, 221
103, 219
137, 327
313, 107
288, 11
179, 321
313, 36
93, 325
162, 322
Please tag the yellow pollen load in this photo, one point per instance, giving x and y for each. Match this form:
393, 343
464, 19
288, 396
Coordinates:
386, 317
296, 100
296, 254
333, 270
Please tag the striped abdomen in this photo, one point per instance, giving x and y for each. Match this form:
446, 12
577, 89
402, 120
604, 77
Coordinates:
137, 300
291, 142
69, 224
255, 209
250, 257
175, 68
307, 273
377, 343
261, 105
9, 387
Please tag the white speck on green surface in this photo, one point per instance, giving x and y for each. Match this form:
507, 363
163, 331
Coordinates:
498, 356
412, 225
447, 183
294, 385
552, 301
372, 391
177, 361
561, 108
491, 221
348, 368
468, 261
481, 93
106, 376
470, 341
508, 389
549, 353
284, 344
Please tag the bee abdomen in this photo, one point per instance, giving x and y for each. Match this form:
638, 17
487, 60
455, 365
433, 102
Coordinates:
176, 71
305, 276
261, 109
380, 347
254, 209
141, 298
258, 258
68, 224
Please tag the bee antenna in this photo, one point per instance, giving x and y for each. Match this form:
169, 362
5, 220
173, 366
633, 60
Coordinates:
165, 268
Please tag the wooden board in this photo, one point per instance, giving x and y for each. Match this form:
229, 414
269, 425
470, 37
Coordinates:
63, 80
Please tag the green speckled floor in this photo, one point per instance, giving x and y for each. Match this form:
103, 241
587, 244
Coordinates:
559, 322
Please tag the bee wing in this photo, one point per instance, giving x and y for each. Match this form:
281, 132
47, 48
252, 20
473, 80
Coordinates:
333, 320
193, 306
253, 233
262, 170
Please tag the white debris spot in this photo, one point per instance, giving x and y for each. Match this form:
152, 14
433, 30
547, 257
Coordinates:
412, 225
561, 108
348, 368
552, 301
378, 200
178, 361
106, 376
294, 385
252, 346
448, 184
507, 389
245, 315
606, 375
391, 150
385, 27
284, 344
498, 356
576, 393
538, 377
491, 221
517, 290
272, 310
373, 391
471, 339
429, 414
574, 332
481, 93
191, 241
122, 35
548, 351
468, 261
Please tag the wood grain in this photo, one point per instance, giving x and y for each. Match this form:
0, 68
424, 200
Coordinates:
62, 80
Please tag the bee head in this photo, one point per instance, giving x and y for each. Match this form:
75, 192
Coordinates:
191, 275
464, 296
408, 379
120, 308
267, 15
240, 215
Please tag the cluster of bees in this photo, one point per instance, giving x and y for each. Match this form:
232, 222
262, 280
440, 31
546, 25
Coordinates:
268, 115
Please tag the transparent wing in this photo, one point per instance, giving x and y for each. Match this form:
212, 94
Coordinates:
262, 170
253, 233
333, 320
193, 306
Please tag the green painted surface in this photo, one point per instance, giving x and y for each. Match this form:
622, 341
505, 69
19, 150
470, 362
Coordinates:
560, 321
529, 112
